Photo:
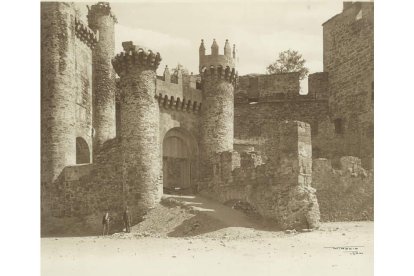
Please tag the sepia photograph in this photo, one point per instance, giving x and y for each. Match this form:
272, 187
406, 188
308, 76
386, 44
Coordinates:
207, 138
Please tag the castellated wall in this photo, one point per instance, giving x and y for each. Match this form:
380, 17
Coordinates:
180, 103
348, 57
263, 100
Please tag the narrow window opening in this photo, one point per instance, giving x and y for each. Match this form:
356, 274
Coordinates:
339, 128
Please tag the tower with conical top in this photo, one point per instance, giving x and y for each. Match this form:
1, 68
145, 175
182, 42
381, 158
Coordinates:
102, 21
218, 77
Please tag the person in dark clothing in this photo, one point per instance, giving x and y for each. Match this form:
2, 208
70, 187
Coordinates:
105, 223
127, 220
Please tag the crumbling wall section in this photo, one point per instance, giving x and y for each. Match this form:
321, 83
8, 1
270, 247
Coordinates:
279, 190
345, 193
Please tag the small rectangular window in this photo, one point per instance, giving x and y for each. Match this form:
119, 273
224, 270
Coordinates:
372, 92
314, 128
339, 128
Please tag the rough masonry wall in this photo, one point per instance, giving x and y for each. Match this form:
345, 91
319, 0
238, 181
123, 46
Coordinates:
345, 193
83, 83
58, 93
276, 99
102, 21
348, 56
140, 126
217, 119
251, 122
84, 192
280, 189
170, 118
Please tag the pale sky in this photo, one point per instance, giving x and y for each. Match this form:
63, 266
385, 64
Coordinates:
260, 30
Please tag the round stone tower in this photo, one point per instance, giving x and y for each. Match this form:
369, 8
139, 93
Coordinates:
140, 120
102, 22
218, 76
58, 91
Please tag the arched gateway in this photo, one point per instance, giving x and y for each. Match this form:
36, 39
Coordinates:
180, 154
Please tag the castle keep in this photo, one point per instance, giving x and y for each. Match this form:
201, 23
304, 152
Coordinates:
114, 133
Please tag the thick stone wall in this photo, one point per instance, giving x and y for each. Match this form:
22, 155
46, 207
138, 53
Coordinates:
279, 190
263, 100
140, 126
84, 192
65, 91
348, 56
102, 21
268, 87
345, 193
83, 79
58, 147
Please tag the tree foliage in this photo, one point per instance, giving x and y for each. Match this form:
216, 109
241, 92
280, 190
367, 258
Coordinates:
289, 61
181, 68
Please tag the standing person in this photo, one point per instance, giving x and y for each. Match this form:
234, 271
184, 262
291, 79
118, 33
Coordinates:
127, 220
105, 223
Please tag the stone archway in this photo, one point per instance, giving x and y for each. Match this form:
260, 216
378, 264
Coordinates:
179, 152
83, 154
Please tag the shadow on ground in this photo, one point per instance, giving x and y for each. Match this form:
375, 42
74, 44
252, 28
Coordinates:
210, 216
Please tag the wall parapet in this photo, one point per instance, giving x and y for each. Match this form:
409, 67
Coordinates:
184, 105
281, 87
85, 34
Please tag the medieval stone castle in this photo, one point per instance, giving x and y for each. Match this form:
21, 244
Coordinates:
114, 133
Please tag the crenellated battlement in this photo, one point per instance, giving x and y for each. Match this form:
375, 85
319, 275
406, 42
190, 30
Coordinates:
186, 105
281, 87
215, 59
227, 73
135, 56
85, 34
100, 9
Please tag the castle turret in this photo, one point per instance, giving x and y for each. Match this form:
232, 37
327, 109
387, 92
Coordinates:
167, 75
214, 48
58, 93
139, 134
202, 49
102, 21
227, 49
218, 76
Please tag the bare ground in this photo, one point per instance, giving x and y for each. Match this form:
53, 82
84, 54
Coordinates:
190, 235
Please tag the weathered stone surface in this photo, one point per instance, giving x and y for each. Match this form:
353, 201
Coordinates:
140, 129
348, 43
344, 194
279, 190
102, 21
217, 129
65, 93
271, 170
